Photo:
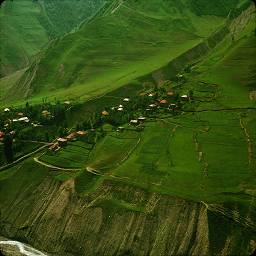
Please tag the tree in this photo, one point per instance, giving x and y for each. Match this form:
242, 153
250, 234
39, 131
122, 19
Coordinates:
47, 138
8, 151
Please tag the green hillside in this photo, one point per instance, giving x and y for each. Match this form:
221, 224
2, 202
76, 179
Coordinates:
127, 40
187, 176
135, 135
27, 26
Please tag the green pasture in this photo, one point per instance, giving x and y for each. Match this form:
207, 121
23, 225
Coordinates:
131, 42
74, 155
112, 150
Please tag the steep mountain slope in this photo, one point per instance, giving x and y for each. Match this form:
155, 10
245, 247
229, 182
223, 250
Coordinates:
26, 26
127, 40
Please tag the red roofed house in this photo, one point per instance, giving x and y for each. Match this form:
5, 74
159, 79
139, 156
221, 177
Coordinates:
163, 102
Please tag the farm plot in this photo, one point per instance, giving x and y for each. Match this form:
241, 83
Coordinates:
113, 149
74, 155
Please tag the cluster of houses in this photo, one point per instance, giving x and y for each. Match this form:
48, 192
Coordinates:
61, 142
166, 103
19, 117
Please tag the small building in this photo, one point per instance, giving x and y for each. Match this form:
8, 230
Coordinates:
163, 102
134, 122
20, 114
126, 99
15, 120
1, 134
170, 93
12, 133
81, 133
24, 119
104, 113
120, 129
36, 124
185, 97
120, 109
173, 105
71, 136
46, 113
54, 147
6, 110
153, 105
67, 102
142, 118
151, 95
62, 141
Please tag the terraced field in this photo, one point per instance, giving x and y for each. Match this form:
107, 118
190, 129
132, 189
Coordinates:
74, 156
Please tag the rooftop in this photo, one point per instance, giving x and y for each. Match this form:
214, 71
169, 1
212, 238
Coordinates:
81, 132
170, 93
163, 101
61, 140
105, 113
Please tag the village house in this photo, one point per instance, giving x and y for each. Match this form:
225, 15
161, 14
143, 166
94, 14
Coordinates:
54, 147
134, 122
142, 118
1, 136
163, 102
24, 119
126, 99
120, 129
185, 97
153, 105
82, 133
6, 110
172, 106
104, 113
12, 133
170, 93
62, 141
71, 136
36, 124
46, 113
20, 114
